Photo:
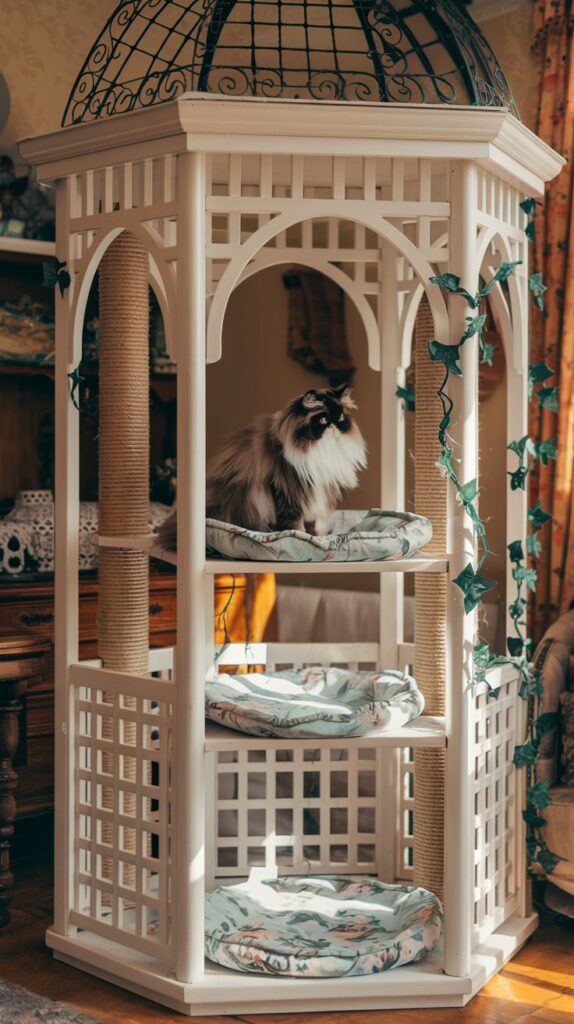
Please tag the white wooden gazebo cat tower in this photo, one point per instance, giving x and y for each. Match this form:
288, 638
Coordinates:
378, 143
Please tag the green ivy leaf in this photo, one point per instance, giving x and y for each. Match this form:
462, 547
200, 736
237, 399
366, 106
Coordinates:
539, 795
55, 274
519, 447
515, 646
546, 723
530, 231
533, 545
451, 283
537, 372
446, 354
518, 478
537, 287
548, 398
524, 754
538, 517
76, 380
517, 608
515, 551
548, 860
532, 847
533, 819
527, 576
474, 325
408, 396
529, 206
487, 353
473, 585
481, 656
501, 274
547, 450
468, 491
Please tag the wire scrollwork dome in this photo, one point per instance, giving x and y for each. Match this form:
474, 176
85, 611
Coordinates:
388, 51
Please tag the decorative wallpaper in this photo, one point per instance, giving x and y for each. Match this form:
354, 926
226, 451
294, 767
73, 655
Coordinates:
44, 42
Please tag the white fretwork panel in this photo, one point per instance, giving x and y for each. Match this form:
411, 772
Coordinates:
124, 817
300, 809
496, 809
266, 209
127, 194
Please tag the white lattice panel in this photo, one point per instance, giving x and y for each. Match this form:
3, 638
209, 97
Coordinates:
123, 815
496, 810
301, 810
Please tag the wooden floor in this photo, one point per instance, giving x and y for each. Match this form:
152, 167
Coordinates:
536, 987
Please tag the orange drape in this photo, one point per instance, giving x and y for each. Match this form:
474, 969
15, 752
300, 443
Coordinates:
553, 332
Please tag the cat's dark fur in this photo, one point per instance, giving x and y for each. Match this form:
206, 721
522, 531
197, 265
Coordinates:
287, 470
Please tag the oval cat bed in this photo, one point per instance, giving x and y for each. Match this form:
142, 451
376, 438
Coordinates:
313, 701
355, 537
319, 927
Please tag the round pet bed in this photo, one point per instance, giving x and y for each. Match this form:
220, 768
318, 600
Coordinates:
355, 537
319, 927
313, 701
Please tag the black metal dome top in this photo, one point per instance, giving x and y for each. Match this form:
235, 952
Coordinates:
390, 51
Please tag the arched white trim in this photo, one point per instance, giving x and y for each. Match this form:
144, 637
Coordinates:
163, 286
512, 319
270, 258
274, 227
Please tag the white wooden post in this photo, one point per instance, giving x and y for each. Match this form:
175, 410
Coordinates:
66, 529
192, 587
459, 844
392, 452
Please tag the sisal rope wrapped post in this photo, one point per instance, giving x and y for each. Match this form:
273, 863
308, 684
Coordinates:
123, 622
430, 614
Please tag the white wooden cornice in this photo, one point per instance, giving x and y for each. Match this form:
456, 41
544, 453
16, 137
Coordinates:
493, 138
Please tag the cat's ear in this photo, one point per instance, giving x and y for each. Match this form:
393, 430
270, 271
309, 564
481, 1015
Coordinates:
311, 400
345, 396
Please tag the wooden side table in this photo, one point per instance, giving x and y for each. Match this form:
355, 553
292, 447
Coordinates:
22, 660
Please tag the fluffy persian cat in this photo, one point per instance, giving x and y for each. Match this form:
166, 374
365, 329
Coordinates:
287, 470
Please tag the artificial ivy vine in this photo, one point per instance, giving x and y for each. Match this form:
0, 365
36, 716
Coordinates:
471, 581
55, 273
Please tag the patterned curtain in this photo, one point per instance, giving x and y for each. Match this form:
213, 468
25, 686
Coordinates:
553, 331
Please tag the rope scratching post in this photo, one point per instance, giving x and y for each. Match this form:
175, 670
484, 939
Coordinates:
123, 621
430, 614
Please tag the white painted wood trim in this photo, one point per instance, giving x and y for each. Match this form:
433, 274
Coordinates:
192, 586
426, 731
222, 565
391, 587
66, 600
203, 122
459, 836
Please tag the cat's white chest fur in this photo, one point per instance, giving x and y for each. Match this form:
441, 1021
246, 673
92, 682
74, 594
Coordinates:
329, 465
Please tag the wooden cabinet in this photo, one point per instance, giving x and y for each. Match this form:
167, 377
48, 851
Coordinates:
31, 605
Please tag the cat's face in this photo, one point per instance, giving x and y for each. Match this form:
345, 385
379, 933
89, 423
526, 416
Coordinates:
322, 413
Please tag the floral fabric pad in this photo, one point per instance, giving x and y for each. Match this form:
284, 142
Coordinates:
313, 701
320, 927
355, 537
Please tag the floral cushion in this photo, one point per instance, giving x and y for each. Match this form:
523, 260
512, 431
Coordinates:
313, 701
355, 537
319, 927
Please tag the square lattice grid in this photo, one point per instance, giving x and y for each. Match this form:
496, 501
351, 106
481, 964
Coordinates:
123, 799
300, 809
495, 808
